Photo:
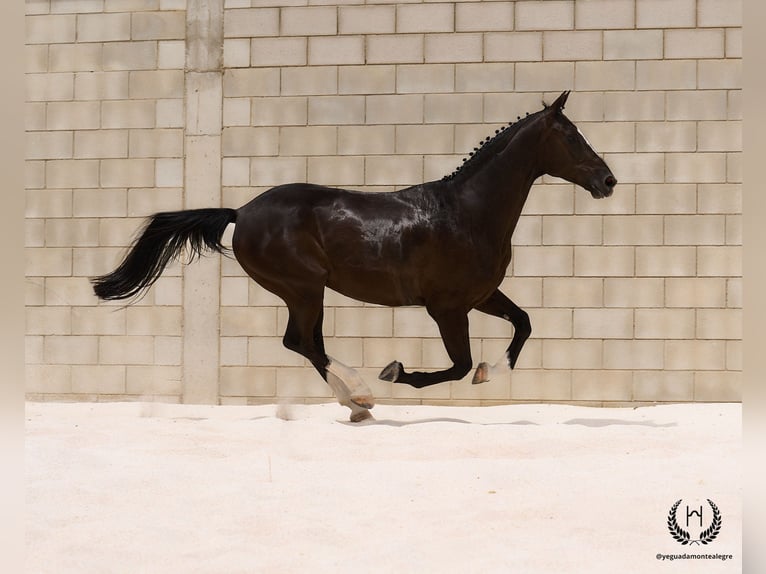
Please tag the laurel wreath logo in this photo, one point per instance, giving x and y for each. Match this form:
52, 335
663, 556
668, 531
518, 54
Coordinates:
706, 536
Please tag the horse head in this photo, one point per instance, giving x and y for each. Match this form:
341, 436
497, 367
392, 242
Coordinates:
567, 153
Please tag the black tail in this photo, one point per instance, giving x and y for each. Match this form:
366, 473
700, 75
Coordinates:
162, 239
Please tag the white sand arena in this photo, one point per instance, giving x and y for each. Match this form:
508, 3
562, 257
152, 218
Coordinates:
152, 488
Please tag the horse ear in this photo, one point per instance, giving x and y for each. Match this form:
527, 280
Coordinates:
558, 105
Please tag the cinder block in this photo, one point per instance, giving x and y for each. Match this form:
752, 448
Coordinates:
734, 355
165, 25
170, 113
127, 173
607, 75
453, 47
695, 167
695, 355
534, 385
425, 78
156, 143
366, 140
694, 44
49, 87
47, 262
71, 232
49, 145
236, 53
720, 136
665, 261
666, 198
546, 76
366, 79
272, 171
633, 292
720, 74
36, 58
251, 82
233, 351
103, 27
395, 109
483, 77
145, 201
336, 171
695, 229
283, 111
129, 56
270, 352
639, 167
163, 321
127, 114
666, 75
316, 80
633, 354
395, 49
453, 108
603, 261
51, 29
248, 381
550, 15
72, 115
340, 50
697, 105
695, 292
153, 380
251, 23
634, 106
157, 84
602, 385
413, 322
72, 173
603, 324
483, 16
525, 46
380, 352
571, 45
543, 261
567, 230
48, 320
666, 136
236, 112
248, 321
633, 230
733, 43
101, 85
663, 386
719, 261
48, 379
418, 18
309, 21
633, 45
71, 350
393, 170
245, 142
170, 172
719, 13
666, 13
363, 322
718, 387
314, 140
572, 292
366, 19
546, 324
424, 139
720, 198
278, 52
605, 14
48, 203
664, 324
172, 55
336, 110
97, 320
719, 324
571, 354
98, 379
71, 57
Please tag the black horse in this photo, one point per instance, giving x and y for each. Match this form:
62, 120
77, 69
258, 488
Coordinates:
444, 245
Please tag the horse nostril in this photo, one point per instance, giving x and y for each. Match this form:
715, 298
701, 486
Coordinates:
610, 181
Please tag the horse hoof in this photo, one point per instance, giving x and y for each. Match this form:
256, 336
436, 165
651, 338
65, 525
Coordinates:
481, 375
359, 416
391, 372
364, 401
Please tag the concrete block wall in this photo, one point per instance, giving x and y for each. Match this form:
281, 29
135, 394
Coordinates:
634, 299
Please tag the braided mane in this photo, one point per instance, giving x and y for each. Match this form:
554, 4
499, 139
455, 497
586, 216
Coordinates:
496, 143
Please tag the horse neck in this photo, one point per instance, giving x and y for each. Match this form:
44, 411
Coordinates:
497, 192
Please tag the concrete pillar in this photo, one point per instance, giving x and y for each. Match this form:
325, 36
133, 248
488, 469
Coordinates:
202, 188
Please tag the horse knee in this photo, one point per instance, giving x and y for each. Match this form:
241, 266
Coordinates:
522, 323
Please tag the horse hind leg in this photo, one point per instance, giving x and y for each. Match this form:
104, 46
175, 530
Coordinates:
304, 336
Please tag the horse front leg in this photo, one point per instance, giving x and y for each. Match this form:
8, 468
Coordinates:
498, 305
453, 327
